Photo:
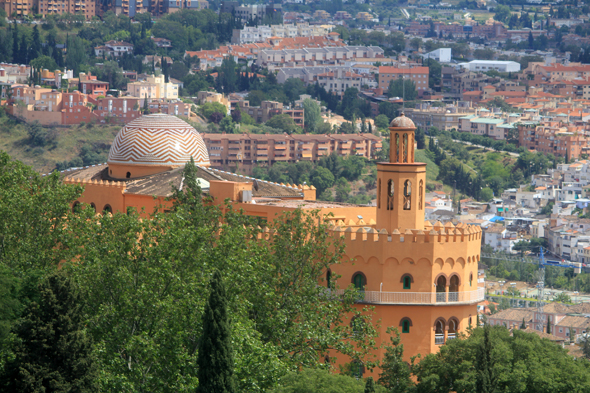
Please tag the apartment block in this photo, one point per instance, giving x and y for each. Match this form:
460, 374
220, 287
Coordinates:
18, 7
14, 73
321, 14
251, 34
49, 7
268, 109
558, 138
336, 82
153, 87
113, 48
90, 85
316, 56
444, 118
249, 150
417, 74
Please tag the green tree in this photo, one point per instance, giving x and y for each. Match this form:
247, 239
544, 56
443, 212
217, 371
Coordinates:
77, 55
322, 179
215, 359
312, 114
382, 122
486, 194
145, 109
283, 122
562, 297
208, 108
255, 97
395, 375
502, 13
227, 125
44, 62
54, 352
523, 325
494, 359
404, 88
370, 385
321, 381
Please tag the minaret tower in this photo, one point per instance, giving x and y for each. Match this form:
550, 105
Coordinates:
401, 181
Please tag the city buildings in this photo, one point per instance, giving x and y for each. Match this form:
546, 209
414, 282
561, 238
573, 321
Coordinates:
488, 65
419, 75
315, 56
113, 48
153, 87
49, 7
261, 33
246, 151
337, 82
269, 109
555, 137
444, 118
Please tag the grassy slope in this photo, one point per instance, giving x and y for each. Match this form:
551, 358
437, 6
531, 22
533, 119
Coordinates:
68, 141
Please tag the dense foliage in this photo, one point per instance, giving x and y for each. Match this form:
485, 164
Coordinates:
143, 284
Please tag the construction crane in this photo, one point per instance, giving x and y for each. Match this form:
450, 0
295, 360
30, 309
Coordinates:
543, 263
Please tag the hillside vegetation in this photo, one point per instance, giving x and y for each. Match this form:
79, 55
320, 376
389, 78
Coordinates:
46, 149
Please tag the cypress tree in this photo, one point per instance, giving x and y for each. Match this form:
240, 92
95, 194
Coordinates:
36, 47
146, 108
548, 325
486, 378
23, 50
523, 326
54, 351
370, 385
15, 53
215, 358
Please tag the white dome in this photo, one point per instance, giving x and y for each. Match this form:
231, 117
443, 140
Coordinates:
158, 139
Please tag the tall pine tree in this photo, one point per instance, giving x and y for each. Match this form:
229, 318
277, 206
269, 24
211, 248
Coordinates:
54, 351
215, 358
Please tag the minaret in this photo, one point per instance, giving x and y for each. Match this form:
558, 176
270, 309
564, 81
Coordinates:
401, 182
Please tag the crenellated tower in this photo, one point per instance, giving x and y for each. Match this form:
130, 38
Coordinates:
401, 181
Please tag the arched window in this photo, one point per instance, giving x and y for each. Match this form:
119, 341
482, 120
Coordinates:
407, 195
439, 332
441, 289
407, 281
128, 175
405, 148
390, 193
470, 322
329, 278
76, 207
406, 326
107, 209
453, 328
470, 279
92, 205
454, 288
359, 281
357, 369
379, 194
420, 194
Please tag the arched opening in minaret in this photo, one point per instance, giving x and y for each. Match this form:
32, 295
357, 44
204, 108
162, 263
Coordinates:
439, 332
397, 148
390, 192
420, 194
453, 327
454, 289
407, 195
405, 148
379, 194
441, 289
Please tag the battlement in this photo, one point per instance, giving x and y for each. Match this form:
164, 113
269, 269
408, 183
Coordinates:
437, 233
103, 183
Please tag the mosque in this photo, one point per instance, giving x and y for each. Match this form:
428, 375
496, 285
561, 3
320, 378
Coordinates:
421, 277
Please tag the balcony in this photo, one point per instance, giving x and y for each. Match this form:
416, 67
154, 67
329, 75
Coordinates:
423, 298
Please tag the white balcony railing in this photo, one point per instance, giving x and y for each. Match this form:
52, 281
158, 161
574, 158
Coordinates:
439, 339
432, 298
